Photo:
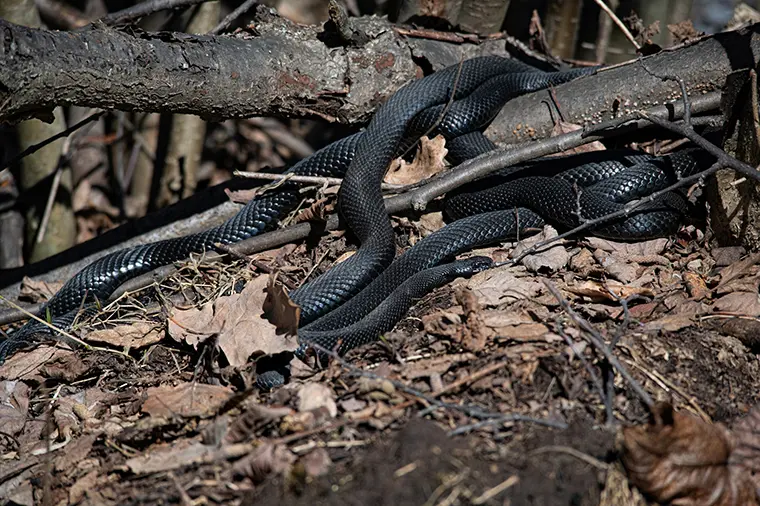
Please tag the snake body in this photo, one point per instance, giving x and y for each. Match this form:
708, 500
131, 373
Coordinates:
458, 102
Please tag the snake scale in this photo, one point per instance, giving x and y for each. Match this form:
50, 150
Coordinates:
358, 299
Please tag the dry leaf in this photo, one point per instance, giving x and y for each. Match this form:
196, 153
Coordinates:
743, 303
67, 368
584, 264
685, 461
611, 290
428, 161
315, 212
671, 323
629, 249
37, 291
14, 403
548, 259
695, 285
185, 399
26, 364
79, 489
237, 319
746, 454
279, 309
495, 286
253, 418
563, 127
173, 457
738, 269
136, 335
316, 463
616, 267
429, 223
524, 332
267, 458
316, 396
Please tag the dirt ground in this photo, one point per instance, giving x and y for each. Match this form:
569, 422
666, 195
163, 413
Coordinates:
475, 398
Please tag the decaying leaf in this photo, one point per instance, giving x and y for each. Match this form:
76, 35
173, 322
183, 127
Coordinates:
185, 399
611, 290
680, 459
315, 463
630, 249
14, 403
563, 127
238, 322
742, 303
549, 259
317, 396
428, 161
267, 458
279, 309
36, 290
137, 335
746, 454
25, 364
253, 418
315, 212
738, 269
499, 285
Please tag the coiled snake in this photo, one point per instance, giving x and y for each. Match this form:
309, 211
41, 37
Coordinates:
370, 290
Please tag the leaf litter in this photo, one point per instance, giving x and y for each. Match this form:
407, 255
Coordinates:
184, 406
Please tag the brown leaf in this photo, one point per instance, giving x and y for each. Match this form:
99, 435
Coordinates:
738, 269
67, 368
607, 291
25, 364
315, 212
616, 267
75, 452
36, 290
743, 303
495, 286
279, 309
165, 459
671, 323
14, 403
584, 264
79, 489
428, 161
685, 461
548, 259
185, 399
253, 418
524, 332
316, 463
695, 285
626, 249
746, 454
317, 397
563, 127
238, 322
134, 336
267, 458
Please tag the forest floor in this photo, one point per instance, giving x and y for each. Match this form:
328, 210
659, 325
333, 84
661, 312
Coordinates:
493, 390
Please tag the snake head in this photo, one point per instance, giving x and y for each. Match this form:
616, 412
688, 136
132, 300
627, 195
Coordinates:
473, 265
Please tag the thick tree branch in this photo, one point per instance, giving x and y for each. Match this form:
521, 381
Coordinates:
282, 69
623, 89
277, 68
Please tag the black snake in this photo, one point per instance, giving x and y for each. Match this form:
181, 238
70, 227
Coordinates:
458, 102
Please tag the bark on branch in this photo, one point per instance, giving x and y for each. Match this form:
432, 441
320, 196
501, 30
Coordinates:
276, 68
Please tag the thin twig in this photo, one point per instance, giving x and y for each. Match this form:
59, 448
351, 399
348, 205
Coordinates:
146, 8
36, 147
619, 23
316, 180
242, 9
